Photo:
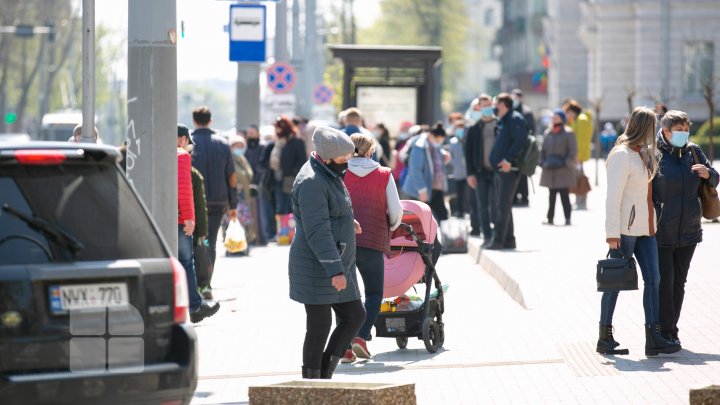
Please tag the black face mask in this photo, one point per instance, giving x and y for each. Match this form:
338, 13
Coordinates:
338, 168
252, 142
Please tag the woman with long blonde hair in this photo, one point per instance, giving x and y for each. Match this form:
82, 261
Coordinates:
630, 226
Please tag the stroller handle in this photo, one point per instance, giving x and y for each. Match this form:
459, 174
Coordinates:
409, 229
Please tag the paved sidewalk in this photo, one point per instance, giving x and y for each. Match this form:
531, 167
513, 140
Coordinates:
521, 328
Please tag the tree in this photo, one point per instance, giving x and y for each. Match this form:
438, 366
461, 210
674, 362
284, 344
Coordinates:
709, 95
630, 93
425, 22
33, 69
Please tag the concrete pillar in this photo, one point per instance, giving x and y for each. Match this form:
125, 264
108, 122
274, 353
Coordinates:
247, 95
152, 110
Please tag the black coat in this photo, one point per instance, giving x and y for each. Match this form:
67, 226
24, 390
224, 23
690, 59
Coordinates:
675, 195
511, 136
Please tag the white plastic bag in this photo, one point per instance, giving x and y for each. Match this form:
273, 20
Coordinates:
235, 240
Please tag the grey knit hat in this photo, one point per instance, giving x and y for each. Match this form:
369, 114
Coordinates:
331, 143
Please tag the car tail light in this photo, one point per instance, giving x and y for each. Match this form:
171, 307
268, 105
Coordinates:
180, 291
40, 157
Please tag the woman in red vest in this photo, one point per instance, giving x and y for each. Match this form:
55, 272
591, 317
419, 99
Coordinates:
376, 206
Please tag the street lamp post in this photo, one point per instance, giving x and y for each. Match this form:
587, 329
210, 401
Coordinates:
88, 71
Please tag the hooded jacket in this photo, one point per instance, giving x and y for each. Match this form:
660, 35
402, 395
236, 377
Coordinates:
675, 194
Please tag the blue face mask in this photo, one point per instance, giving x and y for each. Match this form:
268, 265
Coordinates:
239, 152
475, 115
679, 138
488, 112
459, 132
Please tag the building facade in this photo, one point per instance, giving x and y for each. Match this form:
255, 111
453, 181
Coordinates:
568, 56
482, 66
524, 59
650, 51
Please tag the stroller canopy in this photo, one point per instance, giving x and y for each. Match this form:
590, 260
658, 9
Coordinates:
404, 268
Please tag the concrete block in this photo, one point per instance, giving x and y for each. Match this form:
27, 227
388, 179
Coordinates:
312, 392
709, 395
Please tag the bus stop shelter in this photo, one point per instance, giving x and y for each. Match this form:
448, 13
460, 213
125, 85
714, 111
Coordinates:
405, 67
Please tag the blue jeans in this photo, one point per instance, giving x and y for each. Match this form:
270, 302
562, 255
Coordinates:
646, 253
187, 259
371, 266
485, 192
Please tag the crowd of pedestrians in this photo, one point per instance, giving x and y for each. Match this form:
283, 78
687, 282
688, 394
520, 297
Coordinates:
341, 184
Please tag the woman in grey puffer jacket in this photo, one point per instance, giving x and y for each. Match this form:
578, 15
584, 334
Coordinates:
322, 255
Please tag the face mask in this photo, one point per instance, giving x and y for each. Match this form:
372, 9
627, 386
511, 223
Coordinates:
338, 168
679, 138
239, 152
558, 126
516, 104
475, 115
403, 136
495, 111
487, 112
252, 142
460, 132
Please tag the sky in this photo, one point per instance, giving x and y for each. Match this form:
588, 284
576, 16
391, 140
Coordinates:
204, 22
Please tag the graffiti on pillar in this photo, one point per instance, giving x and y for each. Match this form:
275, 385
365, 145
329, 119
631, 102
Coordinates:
133, 142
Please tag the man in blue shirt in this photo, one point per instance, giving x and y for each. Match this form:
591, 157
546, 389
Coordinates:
511, 140
212, 157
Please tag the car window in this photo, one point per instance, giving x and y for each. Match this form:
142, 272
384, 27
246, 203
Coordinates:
92, 202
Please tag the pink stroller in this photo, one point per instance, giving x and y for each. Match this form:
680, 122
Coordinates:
415, 250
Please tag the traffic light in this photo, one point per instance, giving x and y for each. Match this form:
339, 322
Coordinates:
10, 118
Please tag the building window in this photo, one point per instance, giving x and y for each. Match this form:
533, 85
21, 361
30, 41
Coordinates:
489, 18
697, 67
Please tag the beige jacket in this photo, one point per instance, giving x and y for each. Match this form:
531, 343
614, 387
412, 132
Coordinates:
627, 211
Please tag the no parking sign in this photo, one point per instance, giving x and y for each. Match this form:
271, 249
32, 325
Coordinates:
281, 77
322, 94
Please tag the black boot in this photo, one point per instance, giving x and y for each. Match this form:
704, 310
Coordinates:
310, 373
655, 343
329, 363
606, 342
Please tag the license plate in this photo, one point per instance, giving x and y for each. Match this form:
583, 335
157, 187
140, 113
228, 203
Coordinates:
64, 298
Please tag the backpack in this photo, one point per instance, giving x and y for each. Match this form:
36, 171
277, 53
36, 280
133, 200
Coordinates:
528, 160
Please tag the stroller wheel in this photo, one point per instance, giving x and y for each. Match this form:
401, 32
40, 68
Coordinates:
401, 342
431, 335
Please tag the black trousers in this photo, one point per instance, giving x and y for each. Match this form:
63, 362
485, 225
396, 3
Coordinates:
215, 216
505, 186
564, 198
521, 194
437, 205
674, 266
350, 316
459, 204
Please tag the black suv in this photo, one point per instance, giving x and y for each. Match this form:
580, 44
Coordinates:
93, 307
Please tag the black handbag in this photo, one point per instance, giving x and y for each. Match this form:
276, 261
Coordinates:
616, 272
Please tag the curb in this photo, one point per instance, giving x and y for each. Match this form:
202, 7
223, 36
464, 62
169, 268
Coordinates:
492, 266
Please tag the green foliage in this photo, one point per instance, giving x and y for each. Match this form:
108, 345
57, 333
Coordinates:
425, 22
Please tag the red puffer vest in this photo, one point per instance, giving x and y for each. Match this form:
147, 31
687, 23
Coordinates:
369, 203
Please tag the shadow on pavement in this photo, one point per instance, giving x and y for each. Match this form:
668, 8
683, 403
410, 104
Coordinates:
656, 364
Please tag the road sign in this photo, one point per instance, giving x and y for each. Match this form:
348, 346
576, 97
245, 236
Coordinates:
322, 94
247, 33
275, 105
281, 77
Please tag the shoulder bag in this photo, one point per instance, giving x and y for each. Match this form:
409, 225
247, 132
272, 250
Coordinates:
616, 272
708, 195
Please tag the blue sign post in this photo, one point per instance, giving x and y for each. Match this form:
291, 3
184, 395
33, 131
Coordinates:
247, 33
